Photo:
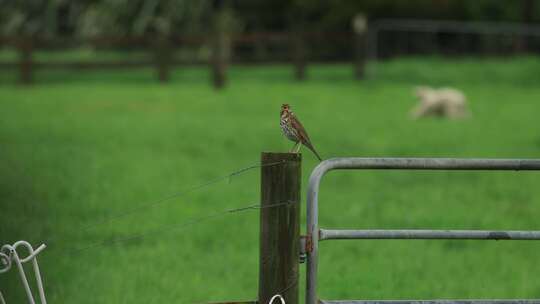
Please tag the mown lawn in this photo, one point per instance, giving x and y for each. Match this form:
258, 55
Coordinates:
77, 148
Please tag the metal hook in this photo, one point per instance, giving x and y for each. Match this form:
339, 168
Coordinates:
277, 296
5, 262
8, 253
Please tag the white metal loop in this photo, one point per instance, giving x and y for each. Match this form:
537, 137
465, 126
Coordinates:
9, 255
31, 251
5, 262
279, 297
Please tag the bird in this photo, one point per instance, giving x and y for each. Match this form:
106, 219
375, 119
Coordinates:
294, 131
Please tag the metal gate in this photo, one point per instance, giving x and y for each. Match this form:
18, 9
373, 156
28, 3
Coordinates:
315, 234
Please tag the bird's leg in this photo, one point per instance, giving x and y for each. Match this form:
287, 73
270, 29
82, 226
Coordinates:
298, 146
293, 148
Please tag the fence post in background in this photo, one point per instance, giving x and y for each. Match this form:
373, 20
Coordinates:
279, 226
359, 25
521, 42
298, 47
162, 53
25, 64
221, 46
260, 48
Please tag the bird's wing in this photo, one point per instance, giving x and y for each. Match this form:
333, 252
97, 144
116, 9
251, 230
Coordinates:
302, 134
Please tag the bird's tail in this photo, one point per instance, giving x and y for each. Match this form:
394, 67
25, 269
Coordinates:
310, 146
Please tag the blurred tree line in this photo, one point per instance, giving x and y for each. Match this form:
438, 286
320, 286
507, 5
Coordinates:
87, 18
308, 30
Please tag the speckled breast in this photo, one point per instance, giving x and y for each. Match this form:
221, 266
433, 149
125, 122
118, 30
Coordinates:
287, 128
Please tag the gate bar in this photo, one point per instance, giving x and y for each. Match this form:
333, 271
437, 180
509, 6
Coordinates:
420, 234
511, 301
386, 164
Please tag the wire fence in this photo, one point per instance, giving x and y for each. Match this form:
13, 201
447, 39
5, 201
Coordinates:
178, 226
69, 249
160, 202
396, 37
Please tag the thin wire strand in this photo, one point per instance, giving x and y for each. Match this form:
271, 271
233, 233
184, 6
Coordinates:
281, 292
181, 226
177, 227
167, 198
179, 194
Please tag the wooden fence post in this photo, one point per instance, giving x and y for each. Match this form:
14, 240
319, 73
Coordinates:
279, 226
162, 57
359, 24
221, 46
298, 54
25, 64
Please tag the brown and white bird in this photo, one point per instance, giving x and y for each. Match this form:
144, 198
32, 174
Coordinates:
293, 130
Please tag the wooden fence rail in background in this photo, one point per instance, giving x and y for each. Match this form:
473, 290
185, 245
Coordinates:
221, 46
383, 39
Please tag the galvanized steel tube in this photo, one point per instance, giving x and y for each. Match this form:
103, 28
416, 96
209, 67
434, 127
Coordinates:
386, 164
511, 301
417, 234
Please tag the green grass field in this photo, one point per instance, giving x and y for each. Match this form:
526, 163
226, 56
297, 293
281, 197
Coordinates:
79, 147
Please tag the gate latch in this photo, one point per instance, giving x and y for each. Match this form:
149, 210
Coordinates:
306, 246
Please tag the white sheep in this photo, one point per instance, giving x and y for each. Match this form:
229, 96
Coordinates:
443, 102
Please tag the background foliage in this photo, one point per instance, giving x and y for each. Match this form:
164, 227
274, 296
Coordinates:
165, 17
